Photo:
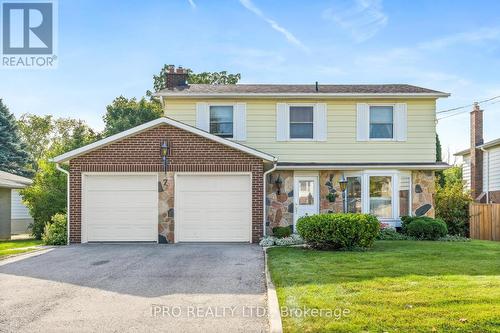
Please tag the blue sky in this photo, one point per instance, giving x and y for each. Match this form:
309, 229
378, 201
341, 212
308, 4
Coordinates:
112, 48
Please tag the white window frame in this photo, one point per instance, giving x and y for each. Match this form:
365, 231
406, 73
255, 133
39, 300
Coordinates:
233, 105
393, 105
313, 105
365, 190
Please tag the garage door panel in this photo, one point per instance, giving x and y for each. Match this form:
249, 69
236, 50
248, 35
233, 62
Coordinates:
121, 207
213, 208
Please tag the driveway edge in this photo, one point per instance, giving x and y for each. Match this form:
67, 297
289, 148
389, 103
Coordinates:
274, 316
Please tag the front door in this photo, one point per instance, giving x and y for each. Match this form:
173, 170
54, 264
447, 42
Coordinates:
306, 192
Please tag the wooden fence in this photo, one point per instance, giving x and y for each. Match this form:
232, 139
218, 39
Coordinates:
485, 221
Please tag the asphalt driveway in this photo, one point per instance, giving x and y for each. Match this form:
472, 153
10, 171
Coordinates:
136, 287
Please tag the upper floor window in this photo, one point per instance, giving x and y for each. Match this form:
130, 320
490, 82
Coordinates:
301, 122
221, 120
381, 122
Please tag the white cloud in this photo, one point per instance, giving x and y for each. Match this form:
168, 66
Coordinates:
479, 35
248, 4
192, 4
361, 18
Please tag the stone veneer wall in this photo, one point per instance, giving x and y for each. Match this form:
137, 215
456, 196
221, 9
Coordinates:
279, 207
423, 193
329, 183
166, 207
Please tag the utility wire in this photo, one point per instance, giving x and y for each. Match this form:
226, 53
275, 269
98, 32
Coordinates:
468, 105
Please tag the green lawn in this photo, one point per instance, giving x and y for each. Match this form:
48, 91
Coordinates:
398, 286
16, 246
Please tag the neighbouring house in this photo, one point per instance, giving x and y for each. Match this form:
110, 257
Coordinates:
14, 215
231, 162
481, 162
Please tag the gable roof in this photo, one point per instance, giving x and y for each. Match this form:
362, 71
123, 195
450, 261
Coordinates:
301, 90
154, 123
489, 144
9, 180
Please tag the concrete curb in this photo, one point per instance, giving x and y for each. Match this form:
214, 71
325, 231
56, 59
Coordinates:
25, 255
273, 306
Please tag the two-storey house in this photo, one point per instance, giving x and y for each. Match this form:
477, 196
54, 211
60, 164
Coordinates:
230, 162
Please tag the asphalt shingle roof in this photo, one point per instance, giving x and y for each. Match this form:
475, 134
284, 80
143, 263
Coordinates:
299, 89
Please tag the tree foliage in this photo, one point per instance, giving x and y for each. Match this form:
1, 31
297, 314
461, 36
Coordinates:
13, 155
47, 195
223, 77
452, 202
126, 113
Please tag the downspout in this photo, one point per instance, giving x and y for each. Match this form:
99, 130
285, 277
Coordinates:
487, 175
58, 167
264, 215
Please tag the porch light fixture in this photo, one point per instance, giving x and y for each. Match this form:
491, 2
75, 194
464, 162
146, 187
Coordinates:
278, 182
164, 152
343, 188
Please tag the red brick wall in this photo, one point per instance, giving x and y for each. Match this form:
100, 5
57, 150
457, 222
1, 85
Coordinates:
141, 153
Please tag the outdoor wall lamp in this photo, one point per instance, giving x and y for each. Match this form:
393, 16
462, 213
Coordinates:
164, 152
278, 182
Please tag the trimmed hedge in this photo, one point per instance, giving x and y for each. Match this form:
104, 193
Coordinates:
424, 228
282, 232
339, 231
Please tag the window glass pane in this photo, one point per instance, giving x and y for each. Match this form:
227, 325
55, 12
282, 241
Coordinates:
404, 196
381, 131
354, 194
381, 114
381, 196
306, 192
221, 120
381, 122
301, 131
301, 114
221, 113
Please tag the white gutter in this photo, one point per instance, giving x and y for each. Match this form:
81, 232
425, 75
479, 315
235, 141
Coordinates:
487, 175
302, 95
363, 167
58, 167
275, 164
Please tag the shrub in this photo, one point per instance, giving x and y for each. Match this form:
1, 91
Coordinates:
55, 232
425, 228
454, 238
452, 206
294, 239
267, 241
281, 232
390, 234
339, 231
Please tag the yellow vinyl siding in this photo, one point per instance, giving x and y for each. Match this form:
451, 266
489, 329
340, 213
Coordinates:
341, 145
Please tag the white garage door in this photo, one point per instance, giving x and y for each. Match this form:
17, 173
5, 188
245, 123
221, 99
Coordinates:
213, 208
120, 208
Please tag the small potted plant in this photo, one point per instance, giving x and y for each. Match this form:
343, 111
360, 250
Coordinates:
331, 196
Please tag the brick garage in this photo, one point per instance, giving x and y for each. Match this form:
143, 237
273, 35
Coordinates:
140, 153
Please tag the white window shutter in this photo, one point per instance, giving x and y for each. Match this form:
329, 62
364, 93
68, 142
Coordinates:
320, 122
400, 121
362, 122
282, 122
240, 121
202, 116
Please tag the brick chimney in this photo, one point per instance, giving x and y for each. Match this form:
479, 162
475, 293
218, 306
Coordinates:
476, 154
176, 77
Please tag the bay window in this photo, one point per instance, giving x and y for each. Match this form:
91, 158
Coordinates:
385, 194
